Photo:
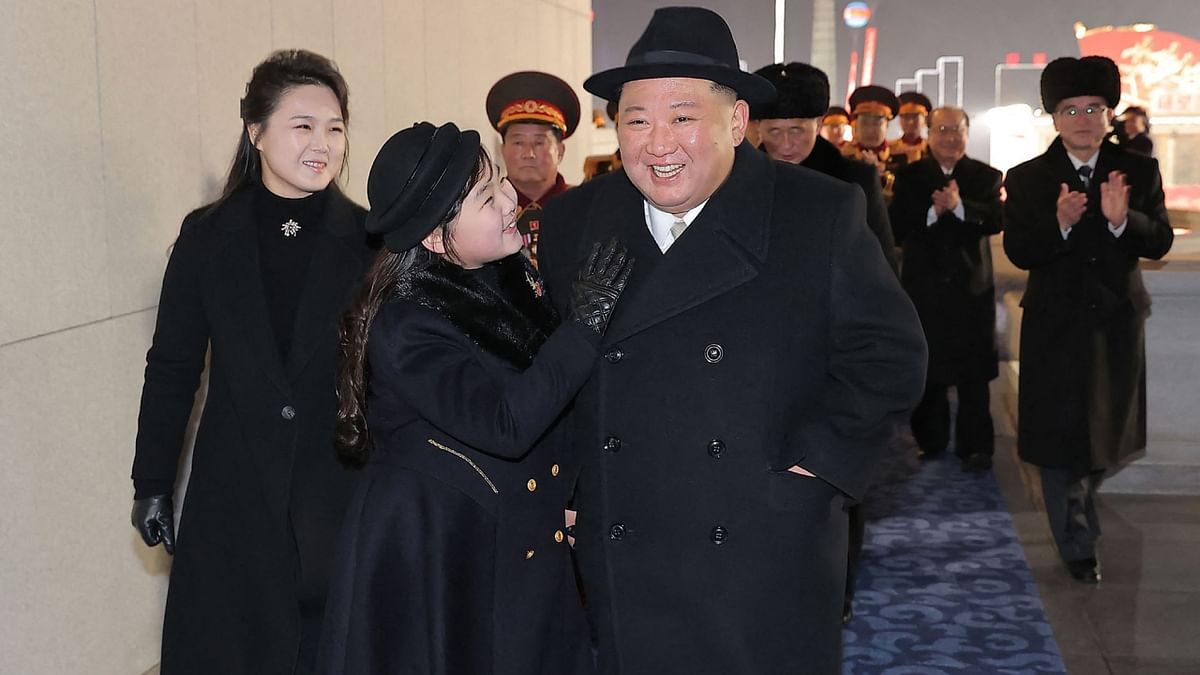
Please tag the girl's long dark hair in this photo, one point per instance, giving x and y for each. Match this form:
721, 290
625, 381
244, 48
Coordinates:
352, 437
283, 71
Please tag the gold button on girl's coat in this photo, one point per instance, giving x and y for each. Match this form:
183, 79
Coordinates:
532, 485
558, 536
528, 554
554, 471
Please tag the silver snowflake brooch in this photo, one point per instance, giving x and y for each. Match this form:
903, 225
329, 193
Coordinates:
290, 228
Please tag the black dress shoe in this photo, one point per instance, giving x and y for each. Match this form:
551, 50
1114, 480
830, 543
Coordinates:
927, 455
977, 462
1085, 571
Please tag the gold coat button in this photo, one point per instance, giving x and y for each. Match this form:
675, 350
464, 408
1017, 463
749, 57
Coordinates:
554, 471
558, 536
528, 554
531, 485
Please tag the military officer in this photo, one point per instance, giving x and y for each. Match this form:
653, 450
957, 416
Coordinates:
834, 125
871, 108
913, 114
534, 113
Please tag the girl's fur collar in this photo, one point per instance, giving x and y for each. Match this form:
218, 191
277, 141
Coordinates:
510, 320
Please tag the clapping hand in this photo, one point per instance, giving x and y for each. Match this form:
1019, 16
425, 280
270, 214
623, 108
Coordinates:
946, 199
1114, 198
1071, 205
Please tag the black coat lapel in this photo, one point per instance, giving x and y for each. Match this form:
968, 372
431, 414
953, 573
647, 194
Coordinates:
332, 275
243, 291
721, 249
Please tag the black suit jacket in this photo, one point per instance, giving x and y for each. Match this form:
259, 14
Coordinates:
948, 265
1082, 383
771, 333
266, 492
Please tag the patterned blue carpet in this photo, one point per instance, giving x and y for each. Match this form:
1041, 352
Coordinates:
944, 586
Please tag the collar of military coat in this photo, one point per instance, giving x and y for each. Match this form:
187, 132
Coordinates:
237, 212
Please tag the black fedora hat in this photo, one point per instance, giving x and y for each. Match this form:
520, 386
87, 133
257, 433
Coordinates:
415, 179
683, 42
533, 96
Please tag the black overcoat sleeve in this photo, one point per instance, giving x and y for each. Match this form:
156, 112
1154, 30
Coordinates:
867, 178
440, 374
876, 360
1032, 237
174, 364
1148, 232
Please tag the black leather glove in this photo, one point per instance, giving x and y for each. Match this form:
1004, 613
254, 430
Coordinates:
154, 519
601, 280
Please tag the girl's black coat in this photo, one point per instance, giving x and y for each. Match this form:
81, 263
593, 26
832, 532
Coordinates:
266, 493
453, 558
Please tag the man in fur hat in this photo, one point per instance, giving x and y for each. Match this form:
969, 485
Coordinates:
534, 113
757, 363
788, 127
1079, 217
913, 114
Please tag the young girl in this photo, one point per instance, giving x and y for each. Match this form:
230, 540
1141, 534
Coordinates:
454, 557
258, 281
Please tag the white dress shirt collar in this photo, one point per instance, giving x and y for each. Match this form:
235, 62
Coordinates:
660, 223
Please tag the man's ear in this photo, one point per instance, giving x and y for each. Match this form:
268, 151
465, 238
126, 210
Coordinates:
741, 117
433, 241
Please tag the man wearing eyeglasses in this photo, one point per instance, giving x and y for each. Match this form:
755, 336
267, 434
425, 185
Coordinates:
1078, 218
945, 208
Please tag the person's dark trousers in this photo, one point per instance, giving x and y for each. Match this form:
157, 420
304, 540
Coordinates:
974, 432
1071, 510
858, 527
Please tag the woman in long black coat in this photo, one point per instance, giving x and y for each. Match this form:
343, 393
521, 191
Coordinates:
454, 556
256, 280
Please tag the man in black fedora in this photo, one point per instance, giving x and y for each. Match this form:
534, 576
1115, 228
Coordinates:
1079, 217
759, 359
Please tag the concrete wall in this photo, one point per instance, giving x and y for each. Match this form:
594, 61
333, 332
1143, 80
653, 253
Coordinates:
119, 116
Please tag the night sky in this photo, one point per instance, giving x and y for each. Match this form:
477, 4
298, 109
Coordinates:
912, 34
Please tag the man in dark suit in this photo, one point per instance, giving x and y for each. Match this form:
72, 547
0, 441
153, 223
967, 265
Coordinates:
789, 128
761, 354
1078, 218
944, 209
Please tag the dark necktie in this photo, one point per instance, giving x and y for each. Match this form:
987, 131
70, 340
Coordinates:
1085, 175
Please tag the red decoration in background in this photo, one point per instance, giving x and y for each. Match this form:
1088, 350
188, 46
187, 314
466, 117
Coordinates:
853, 75
1160, 70
870, 36
1012, 58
